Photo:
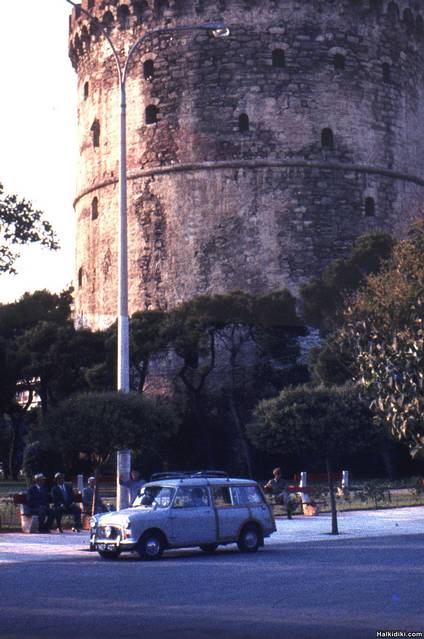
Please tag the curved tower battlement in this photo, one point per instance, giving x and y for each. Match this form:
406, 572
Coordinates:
253, 160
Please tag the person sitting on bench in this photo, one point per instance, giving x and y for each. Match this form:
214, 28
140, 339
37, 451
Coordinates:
63, 503
278, 486
88, 499
38, 503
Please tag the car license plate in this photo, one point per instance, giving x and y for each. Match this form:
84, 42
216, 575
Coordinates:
106, 547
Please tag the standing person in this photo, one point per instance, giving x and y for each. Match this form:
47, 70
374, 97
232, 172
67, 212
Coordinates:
134, 483
63, 503
88, 497
38, 503
278, 487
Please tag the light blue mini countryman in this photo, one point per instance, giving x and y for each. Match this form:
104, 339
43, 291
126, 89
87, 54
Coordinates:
177, 510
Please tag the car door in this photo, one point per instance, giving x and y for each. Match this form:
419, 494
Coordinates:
253, 499
230, 514
192, 517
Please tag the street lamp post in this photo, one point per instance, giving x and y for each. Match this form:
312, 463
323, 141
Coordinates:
218, 30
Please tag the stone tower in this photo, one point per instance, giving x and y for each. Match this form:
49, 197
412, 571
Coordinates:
253, 160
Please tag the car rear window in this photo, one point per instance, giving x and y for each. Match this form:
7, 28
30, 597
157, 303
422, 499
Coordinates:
247, 495
194, 497
221, 496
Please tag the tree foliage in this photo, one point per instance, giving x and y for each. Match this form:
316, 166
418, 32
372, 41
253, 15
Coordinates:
324, 422
324, 297
21, 224
384, 334
99, 423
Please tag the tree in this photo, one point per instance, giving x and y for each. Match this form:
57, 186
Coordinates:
324, 301
323, 422
21, 224
324, 297
384, 333
42, 355
97, 424
236, 342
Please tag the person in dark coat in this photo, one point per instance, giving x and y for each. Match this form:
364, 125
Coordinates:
63, 503
38, 503
88, 499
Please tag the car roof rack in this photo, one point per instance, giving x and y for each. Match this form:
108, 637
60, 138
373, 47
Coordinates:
189, 474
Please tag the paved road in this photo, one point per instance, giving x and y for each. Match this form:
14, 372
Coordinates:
329, 590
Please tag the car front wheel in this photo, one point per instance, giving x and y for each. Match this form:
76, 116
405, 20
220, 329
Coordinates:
150, 546
250, 539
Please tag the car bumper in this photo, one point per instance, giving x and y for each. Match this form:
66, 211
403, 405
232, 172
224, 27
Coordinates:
112, 544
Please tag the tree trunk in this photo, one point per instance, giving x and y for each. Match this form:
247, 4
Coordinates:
334, 526
240, 431
206, 444
387, 457
96, 494
14, 448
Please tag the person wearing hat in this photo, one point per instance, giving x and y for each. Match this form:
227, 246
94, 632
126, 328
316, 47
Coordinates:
88, 498
64, 504
38, 503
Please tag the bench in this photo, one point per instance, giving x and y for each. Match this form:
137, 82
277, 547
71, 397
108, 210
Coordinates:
312, 506
302, 503
304, 492
29, 523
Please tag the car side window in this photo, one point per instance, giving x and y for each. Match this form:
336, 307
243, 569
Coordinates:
247, 495
221, 496
191, 497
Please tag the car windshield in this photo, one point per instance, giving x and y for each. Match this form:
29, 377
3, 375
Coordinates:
159, 496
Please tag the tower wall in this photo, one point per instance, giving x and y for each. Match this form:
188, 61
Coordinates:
213, 208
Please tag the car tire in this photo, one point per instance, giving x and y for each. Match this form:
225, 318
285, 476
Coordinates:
250, 538
209, 548
109, 554
151, 546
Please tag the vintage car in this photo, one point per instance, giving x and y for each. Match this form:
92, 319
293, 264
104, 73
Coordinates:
177, 510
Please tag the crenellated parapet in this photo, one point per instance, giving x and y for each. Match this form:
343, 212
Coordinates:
144, 14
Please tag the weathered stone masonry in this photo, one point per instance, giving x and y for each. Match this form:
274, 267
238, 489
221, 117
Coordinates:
332, 145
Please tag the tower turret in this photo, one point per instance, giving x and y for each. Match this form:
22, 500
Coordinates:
253, 160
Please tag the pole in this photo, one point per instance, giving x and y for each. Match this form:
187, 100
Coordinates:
123, 373
123, 469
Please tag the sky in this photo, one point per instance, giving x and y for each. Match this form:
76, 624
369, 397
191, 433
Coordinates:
38, 134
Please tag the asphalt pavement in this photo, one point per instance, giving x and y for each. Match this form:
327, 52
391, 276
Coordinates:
17, 547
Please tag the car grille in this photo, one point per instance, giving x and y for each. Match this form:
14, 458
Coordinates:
101, 532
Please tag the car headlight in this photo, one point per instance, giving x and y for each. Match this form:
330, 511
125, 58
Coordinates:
108, 531
93, 522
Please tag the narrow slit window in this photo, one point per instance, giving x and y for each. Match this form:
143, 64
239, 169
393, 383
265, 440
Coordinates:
369, 207
123, 15
80, 276
327, 139
95, 132
339, 62
151, 114
385, 68
108, 19
86, 89
244, 123
278, 58
148, 70
94, 208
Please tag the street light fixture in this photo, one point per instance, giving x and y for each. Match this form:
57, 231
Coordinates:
217, 30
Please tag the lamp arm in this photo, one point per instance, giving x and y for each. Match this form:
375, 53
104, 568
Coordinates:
104, 32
